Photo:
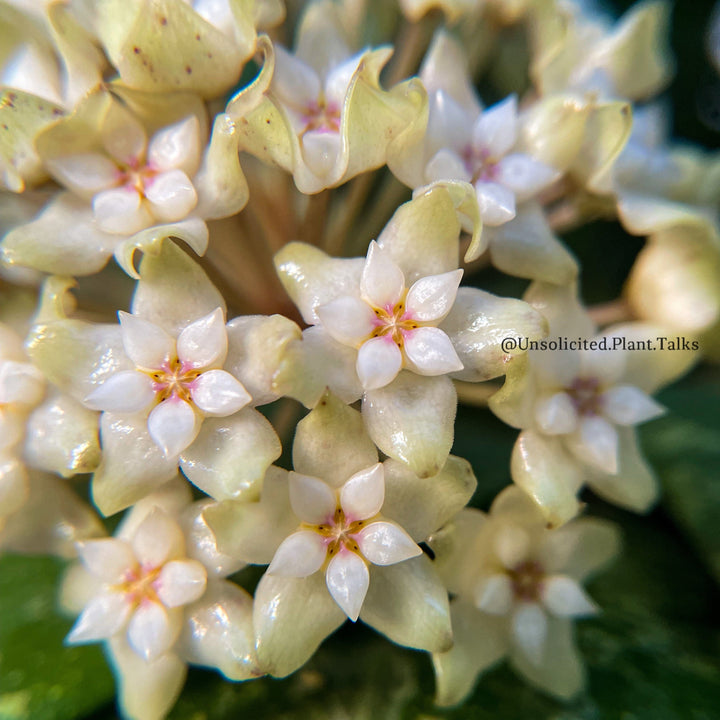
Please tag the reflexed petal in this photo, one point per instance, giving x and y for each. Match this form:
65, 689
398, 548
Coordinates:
431, 298
385, 543
596, 443
146, 344
125, 392
311, 499
378, 363
85, 174
446, 165
338, 79
173, 426
347, 580
177, 146
181, 582
562, 596
321, 150
497, 203
628, 405
494, 594
496, 128
301, 554
525, 176
556, 414
152, 631
121, 211
157, 539
104, 615
363, 494
171, 196
107, 558
429, 352
204, 342
218, 393
512, 545
382, 282
348, 320
529, 629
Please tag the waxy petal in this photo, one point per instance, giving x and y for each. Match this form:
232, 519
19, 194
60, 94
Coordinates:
108, 558
497, 203
121, 211
299, 555
382, 282
596, 443
218, 393
181, 582
562, 596
176, 147
152, 630
556, 414
320, 150
173, 426
497, 127
105, 615
362, 496
446, 165
525, 176
85, 174
347, 580
203, 342
512, 545
311, 499
157, 539
628, 405
146, 344
294, 82
378, 363
348, 320
530, 629
429, 351
494, 594
385, 543
171, 196
125, 392
431, 298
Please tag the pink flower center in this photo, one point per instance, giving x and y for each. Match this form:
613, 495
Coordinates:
140, 584
174, 378
338, 533
586, 394
393, 322
136, 175
321, 115
481, 165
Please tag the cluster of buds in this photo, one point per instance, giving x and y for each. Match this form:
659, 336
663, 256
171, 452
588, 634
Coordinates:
223, 235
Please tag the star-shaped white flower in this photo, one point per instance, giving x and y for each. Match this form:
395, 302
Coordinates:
392, 326
144, 581
135, 184
342, 532
181, 380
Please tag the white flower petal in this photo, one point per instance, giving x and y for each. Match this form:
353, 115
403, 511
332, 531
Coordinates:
431, 298
204, 342
382, 282
494, 594
181, 582
429, 351
446, 165
157, 539
385, 543
525, 176
497, 203
151, 630
294, 82
145, 343
20, 383
348, 320
497, 127
173, 425
449, 123
562, 596
311, 499
176, 146
339, 77
556, 414
121, 211
363, 494
217, 392
123, 136
301, 554
321, 149
347, 579
529, 629
171, 195
124, 392
512, 545
107, 558
628, 405
102, 617
85, 174
379, 361
595, 442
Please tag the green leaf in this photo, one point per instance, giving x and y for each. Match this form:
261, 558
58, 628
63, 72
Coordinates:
40, 678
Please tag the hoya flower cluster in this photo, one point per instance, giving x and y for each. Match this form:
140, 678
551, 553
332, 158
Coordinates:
226, 235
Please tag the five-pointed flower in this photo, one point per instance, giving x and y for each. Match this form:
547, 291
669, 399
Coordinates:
181, 380
393, 326
342, 531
